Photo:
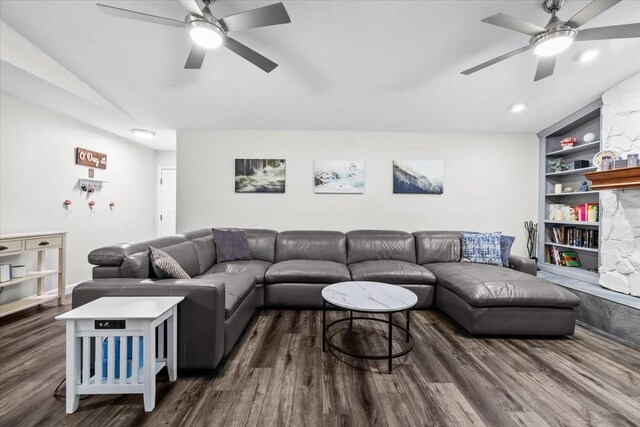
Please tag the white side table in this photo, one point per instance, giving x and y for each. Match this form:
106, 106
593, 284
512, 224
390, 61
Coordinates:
101, 321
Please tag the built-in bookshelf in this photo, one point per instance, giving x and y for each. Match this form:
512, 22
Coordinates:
569, 231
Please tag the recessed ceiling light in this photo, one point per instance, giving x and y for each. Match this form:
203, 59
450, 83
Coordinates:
516, 108
586, 55
143, 133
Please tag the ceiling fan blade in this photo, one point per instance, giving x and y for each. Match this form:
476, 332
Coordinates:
139, 16
590, 11
192, 7
495, 60
261, 17
195, 58
250, 55
515, 24
613, 32
545, 67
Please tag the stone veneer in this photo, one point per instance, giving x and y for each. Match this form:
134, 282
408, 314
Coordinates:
620, 210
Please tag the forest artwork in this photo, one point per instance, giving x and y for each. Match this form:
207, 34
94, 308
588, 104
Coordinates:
338, 176
418, 176
260, 175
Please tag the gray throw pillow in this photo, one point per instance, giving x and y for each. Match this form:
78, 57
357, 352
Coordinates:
505, 248
231, 245
164, 266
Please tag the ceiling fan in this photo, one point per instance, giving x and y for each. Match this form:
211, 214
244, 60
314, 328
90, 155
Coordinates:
209, 32
557, 35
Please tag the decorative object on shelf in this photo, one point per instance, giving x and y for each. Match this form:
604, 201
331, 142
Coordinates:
584, 186
632, 160
558, 165
338, 176
606, 163
90, 185
5, 272
418, 176
92, 173
597, 159
18, 271
557, 189
532, 238
112, 205
589, 137
90, 158
580, 164
91, 204
568, 142
260, 176
568, 190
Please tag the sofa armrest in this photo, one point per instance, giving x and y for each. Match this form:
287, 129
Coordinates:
201, 315
526, 265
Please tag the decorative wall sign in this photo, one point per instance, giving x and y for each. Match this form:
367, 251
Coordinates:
260, 175
418, 176
90, 158
338, 176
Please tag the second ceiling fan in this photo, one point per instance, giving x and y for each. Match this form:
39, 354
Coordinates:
548, 41
209, 32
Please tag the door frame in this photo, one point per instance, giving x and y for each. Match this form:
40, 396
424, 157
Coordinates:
159, 196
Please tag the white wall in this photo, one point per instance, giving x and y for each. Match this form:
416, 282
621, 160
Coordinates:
38, 172
620, 240
490, 182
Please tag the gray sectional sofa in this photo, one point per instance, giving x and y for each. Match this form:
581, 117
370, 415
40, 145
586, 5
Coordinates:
290, 268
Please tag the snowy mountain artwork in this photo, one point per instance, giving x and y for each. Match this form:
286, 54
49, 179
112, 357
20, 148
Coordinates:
418, 176
260, 175
338, 176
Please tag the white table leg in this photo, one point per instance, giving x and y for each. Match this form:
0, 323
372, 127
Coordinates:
172, 344
73, 367
149, 368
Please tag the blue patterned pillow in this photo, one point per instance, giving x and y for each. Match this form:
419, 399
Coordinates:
482, 248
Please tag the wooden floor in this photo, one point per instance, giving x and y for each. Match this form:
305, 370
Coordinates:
278, 375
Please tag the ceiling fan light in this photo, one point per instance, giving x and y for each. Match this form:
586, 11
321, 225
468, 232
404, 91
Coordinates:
205, 34
553, 43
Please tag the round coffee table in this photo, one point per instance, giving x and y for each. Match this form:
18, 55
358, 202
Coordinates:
368, 297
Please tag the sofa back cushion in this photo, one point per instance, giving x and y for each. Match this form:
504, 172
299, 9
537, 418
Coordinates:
262, 243
206, 253
312, 245
371, 245
438, 246
186, 255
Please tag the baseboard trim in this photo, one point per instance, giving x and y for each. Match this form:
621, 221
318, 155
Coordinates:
67, 290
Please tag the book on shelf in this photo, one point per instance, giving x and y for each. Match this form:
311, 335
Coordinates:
562, 258
586, 212
573, 236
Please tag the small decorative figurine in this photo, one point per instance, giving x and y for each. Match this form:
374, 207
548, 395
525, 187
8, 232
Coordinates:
584, 186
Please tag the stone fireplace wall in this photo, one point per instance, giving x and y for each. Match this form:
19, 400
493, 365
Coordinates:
620, 210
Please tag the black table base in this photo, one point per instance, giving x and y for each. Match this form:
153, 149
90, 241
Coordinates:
389, 321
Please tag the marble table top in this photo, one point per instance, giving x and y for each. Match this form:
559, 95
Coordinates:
369, 296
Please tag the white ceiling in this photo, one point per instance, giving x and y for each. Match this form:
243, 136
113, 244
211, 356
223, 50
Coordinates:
344, 65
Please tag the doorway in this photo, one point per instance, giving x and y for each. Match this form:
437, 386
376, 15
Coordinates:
167, 201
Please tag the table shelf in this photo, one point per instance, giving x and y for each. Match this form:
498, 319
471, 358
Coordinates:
30, 276
25, 303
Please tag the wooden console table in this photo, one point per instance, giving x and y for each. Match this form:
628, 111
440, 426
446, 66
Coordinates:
34, 243
615, 179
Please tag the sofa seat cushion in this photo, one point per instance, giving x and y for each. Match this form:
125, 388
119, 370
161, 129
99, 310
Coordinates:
307, 271
255, 267
482, 285
237, 286
391, 271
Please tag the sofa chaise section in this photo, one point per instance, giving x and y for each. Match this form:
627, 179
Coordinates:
494, 300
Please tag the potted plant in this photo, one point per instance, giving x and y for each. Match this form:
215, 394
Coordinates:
557, 165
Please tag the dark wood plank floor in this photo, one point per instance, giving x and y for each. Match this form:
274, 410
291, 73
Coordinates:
278, 375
